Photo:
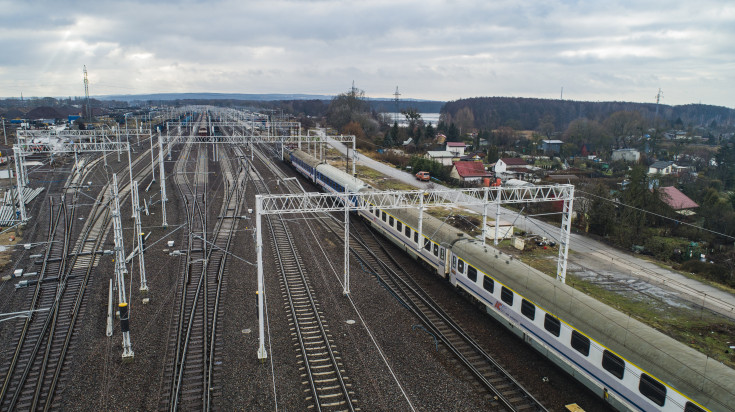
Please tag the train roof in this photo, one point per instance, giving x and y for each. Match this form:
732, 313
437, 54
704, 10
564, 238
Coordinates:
351, 183
684, 368
305, 157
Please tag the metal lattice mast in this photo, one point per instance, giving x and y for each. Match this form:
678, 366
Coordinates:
119, 245
20, 186
262, 353
346, 290
139, 236
86, 95
566, 227
120, 272
162, 179
396, 95
153, 162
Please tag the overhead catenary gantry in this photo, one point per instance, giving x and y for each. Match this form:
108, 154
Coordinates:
411, 199
243, 138
237, 137
23, 149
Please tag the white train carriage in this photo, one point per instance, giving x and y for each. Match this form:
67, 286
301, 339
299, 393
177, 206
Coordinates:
629, 364
401, 227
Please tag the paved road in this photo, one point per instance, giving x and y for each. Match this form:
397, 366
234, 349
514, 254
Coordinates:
595, 260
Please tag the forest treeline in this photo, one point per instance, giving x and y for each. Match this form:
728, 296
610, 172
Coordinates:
521, 113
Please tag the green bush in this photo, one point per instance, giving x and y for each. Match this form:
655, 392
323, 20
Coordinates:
712, 271
662, 248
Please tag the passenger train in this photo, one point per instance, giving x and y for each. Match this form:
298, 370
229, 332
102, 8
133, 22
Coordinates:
630, 365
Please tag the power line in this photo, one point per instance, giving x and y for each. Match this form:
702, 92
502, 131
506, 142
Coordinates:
616, 202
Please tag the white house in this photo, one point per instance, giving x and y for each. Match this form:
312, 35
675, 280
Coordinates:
442, 156
626, 155
457, 148
663, 167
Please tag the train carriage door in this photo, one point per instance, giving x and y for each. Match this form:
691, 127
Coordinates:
444, 260
452, 275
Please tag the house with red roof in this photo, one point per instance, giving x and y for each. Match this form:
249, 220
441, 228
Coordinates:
677, 200
469, 171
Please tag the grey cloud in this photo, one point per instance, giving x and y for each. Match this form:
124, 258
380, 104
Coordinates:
435, 48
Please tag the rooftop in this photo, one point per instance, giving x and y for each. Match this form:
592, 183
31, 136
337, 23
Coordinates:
514, 161
674, 198
470, 169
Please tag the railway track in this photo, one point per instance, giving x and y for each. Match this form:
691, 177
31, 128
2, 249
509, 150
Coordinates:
186, 369
505, 392
328, 387
194, 349
224, 232
35, 372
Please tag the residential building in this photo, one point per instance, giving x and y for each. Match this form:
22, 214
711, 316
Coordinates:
512, 168
662, 166
441, 156
457, 148
677, 200
469, 171
551, 146
626, 155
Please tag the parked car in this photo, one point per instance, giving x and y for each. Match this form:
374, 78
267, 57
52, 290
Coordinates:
423, 176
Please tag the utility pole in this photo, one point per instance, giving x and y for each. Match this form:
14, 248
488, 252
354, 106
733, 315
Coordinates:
139, 236
162, 180
120, 272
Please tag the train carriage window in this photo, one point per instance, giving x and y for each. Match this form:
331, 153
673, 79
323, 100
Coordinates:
384, 217
528, 309
581, 343
427, 244
552, 325
399, 226
613, 364
506, 295
652, 389
436, 250
390, 220
488, 284
441, 253
454, 262
472, 273
461, 266
416, 237
408, 232
690, 407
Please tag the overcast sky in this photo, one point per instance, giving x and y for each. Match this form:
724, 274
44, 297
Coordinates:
442, 50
